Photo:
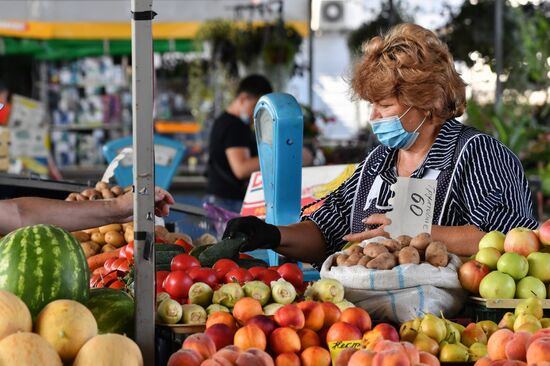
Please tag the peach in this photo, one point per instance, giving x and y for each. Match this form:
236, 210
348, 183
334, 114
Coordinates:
370, 339
221, 335
362, 357
344, 356
284, 340
388, 345
315, 356
290, 316
264, 356
221, 317
264, 322
541, 333
288, 359
382, 331
185, 357
497, 344
213, 362
248, 359
341, 331
428, 359
357, 317
514, 363
391, 358
516, 348
246, 308
308, 338
200, 343
484, 361
323, 336
313, 313
332, 313
539, 351
229, 353
250, 336
412, 352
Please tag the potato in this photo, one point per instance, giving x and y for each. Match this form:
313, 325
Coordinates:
101, 185
355, 249
88, 192
391, 245
404, 240
107, 194
81, 236
95, 197
98, 238
126, 225
111, 227
409, 255
353, 259
90, 248
374, 249
71, 197
114, 238
421, 241
91, 230
80, 197
341, 259
364, 260
129, 235
117, 190
437, 255
107, 248
382, 261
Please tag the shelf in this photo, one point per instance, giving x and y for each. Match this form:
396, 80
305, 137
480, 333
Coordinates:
89, 127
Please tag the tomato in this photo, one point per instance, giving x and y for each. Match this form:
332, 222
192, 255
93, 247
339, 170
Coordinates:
188, 247
292, 273
117, 284
206, 275
108, 265
245, 256
268, 275
182, 262
222, 266
255, 271
177, 284
129, 250
160, 276
241, 275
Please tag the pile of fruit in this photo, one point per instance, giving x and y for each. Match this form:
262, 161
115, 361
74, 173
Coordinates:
510, 266
389, 253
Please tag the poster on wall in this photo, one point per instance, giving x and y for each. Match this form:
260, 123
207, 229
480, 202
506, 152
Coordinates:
317, 182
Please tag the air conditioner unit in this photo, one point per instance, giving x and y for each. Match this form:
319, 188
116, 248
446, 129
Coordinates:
336, 15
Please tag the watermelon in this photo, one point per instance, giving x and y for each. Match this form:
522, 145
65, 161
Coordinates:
113, 311
42, 263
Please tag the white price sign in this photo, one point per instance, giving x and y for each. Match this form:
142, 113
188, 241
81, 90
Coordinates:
413, 206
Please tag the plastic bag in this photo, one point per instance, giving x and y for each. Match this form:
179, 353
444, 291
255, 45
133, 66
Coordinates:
218, 217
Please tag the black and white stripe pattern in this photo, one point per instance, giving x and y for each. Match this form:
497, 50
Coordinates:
487, 188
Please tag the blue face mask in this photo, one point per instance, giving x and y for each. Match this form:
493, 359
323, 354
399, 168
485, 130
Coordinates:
390, 132
245, 118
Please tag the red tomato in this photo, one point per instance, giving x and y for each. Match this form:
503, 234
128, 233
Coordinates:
222, 266
273, 267
268, 275
117, 284
160, 276
292, 273
177, 284
108, 265
188, 247
206, 275
129, 250
182, 262
255, 271
245, 256
241, 275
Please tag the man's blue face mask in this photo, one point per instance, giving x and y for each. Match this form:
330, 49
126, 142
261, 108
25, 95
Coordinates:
390, 132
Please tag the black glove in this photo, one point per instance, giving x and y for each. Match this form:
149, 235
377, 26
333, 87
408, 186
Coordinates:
257, 234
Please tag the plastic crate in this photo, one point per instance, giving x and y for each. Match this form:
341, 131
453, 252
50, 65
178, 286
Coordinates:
494, 309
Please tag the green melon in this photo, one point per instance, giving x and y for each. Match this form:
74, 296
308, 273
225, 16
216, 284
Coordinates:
113, 311
42, 263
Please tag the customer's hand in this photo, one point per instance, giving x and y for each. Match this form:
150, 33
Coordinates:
125, 204
377, 219
257, 233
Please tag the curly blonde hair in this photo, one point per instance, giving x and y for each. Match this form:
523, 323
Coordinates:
413, 65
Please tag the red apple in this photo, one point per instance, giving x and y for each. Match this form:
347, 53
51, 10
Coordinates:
522, 241
544, 233
470, 275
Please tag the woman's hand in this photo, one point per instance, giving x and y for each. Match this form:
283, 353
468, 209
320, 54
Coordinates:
376, 219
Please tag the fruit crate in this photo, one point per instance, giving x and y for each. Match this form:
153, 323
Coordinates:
494, 309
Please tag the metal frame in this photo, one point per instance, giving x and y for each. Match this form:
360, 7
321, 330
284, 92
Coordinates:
143, 173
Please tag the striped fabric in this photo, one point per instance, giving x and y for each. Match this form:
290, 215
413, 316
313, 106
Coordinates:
488, 187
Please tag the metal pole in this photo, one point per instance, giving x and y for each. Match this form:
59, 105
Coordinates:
311, 35
143, 171
498, 52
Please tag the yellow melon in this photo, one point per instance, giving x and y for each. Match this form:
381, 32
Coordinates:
14, 315
109, 350
27, 349
66, 325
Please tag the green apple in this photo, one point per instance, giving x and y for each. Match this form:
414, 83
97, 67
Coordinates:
532, 305
497, 285
530, 287
513, 264
488, 256
539, 266
493, 239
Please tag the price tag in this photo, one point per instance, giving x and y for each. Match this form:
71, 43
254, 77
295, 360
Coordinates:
338, 346
413, 205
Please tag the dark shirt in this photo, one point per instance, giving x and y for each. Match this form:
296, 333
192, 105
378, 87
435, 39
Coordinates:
228, 131
488, 188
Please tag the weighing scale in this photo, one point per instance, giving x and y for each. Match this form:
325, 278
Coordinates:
279, 126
